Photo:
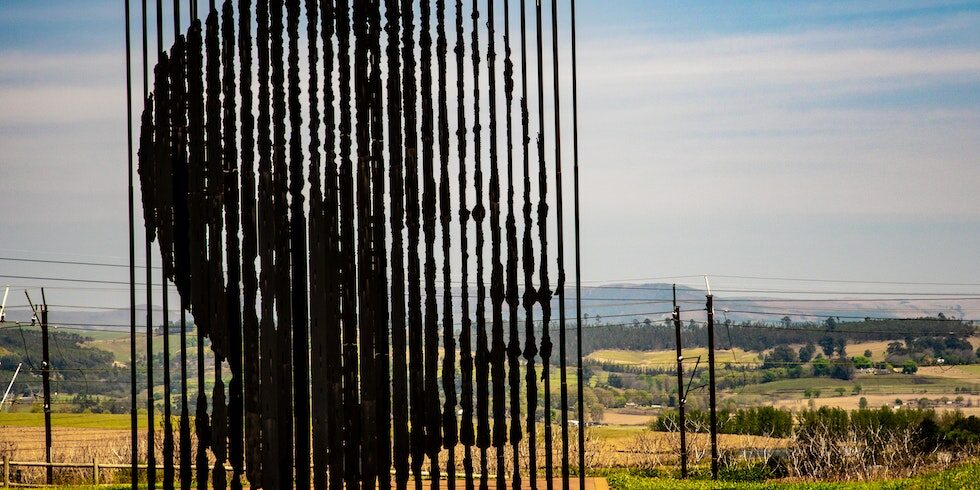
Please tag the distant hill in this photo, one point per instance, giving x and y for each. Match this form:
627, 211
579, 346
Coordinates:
615, 303
112, 319
76, 368
628, 301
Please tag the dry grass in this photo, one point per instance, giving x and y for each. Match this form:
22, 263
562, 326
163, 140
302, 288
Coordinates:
645, 449
76, 445
852, 402
666, 358
619, 417
969, 373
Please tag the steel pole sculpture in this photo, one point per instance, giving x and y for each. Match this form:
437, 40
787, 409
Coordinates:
399, 341
479, 214
449, 431
147, 135
496, 353
416, 391
580, 382
560, 289
327, 359
331, 333
433, 416
466, 434
134, 434
181, 252
251, 404
544, 290
317, 271
530, 293
511, 295
265, 474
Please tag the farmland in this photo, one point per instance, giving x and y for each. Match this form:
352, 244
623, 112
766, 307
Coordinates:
626, 392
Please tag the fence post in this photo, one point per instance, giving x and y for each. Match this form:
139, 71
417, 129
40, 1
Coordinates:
95, 470
6, 470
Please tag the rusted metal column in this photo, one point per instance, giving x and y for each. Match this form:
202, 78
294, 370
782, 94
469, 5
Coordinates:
449, 426
544, 290
496, 353
251, 410
433, 419
399, 340
511, 294
530, 296
265, 214
466, 434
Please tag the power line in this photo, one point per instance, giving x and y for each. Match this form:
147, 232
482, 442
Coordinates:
72, 262
848, 281
64, 279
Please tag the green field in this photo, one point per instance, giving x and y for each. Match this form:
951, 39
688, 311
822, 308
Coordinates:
870, 384
74, 420
118, 345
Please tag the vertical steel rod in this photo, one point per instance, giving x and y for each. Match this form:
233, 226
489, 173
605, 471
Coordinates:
578, 264
134, 433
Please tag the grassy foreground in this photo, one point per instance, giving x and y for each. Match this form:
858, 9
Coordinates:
963, 476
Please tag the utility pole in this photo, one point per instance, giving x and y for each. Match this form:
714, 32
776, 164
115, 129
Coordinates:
42, 319
681, 397
711, 380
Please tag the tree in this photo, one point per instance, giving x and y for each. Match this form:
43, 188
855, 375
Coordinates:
910, 367
781, 355
867, 353
807, 351
843, 369
862, 362
840, 391
840, 343
863, 403
831, 323
593, 409
827, 344
787, 321
821, 366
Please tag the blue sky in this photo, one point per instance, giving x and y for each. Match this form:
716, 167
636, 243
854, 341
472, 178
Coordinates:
809, 139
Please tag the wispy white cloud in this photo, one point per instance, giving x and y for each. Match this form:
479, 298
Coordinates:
778, 120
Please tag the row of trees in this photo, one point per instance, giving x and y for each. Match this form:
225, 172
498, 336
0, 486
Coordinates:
830, 336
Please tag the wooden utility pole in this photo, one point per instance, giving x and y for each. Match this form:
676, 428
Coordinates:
42, 319
46, 381
711, 381
681, 397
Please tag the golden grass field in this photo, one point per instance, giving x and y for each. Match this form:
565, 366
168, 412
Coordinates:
667, 358
852, 402
616, 417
